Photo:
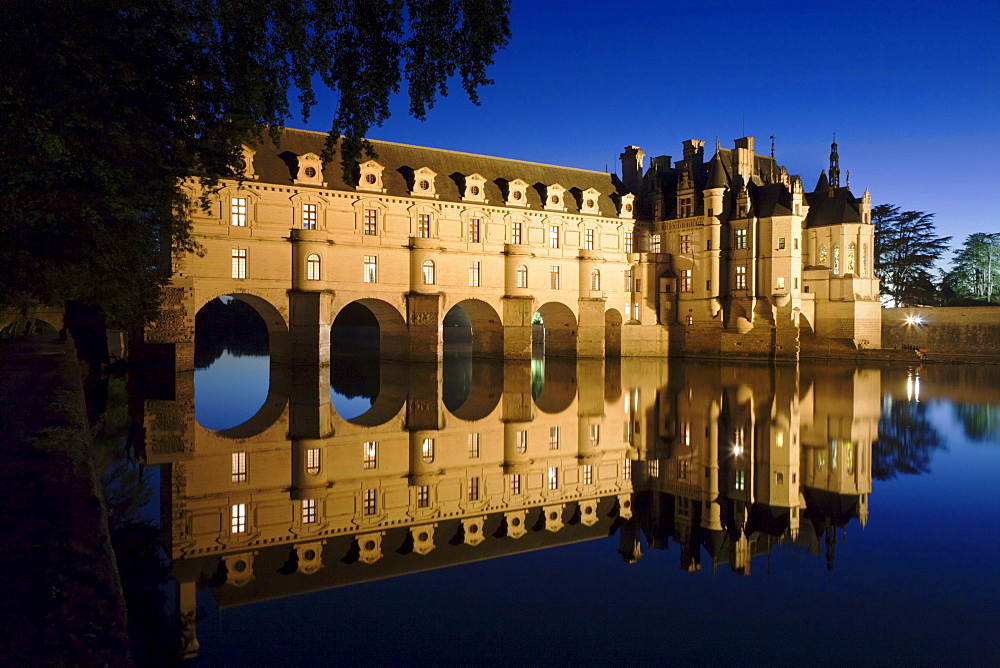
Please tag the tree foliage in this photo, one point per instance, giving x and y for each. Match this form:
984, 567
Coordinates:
975, 269
106, 106
906, 440
906, 247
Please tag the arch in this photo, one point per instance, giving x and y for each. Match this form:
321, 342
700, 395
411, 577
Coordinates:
612, 333
595, 280
30, 326
471, 387
560, 327
522, 276
274, 321
553, 384
481, 325
428, 272
313, 267
356, 330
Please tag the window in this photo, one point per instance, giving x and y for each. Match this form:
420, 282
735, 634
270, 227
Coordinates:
595, 280
522, 276
474, 488
708, 285
836, 258
238, 211
553, 236
474, 446
655, 243
369, 502
427, 451
588, 474
627, 469
473, 274
371, 269
370, 460
423, 225
779, 478
238, 517
371, 221
864, 258
689, 320
795, 243
239, 470
741, 480
781, 243
553, 477
781, 282
309, 215
595, 434
521, 442
822, 254
741, 278
685, 280
515, 233
554, 277
628, 242
684, 243
686, 207
553, 438
239, 263
628, 280
741, 239
684, 469
515, 484
588, 239
312, 267
428, 272
312, 461
309, 511
423, 496
851, 252
474, 224
795, 283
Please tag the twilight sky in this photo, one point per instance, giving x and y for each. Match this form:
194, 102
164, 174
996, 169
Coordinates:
912, 90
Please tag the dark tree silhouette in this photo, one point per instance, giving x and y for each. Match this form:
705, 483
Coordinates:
906, 247
906, 440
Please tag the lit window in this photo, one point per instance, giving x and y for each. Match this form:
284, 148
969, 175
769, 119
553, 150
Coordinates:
822, 254
689, 319
851, 248
238, 518
781, 282
312, 461
371, 269
628, 280
655, 243
588, 474
428, 272
654, 468
683, 469
515, 233
685, 280
554, 277
628, 242
522, 276
864, 258
515, 484
369, 502
553, 236
238, 209
553, 438
239, 263
595, 280
836, 258
474, 224
312, 267
474, 488
239, 471
474, 446
423, 496
588, 239
741, 239
473, 274
553, 477
686, 207
686, 433
424, 225
370, 221
741, 278
741, 481
309, 511
371, 455
521, 442
626, 469
684, 243
427, 451
309, 215
595, 434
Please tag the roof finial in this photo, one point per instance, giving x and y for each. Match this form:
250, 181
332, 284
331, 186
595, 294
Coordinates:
834, 164
848, 175
772, 147
717, 144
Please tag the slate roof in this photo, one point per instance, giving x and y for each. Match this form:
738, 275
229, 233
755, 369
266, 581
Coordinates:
824, 210
451, 167
772, 199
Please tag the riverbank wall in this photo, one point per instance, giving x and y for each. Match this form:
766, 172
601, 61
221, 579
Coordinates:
961, 334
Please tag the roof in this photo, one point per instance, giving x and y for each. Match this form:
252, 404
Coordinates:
824, 210
451, 167
771, 199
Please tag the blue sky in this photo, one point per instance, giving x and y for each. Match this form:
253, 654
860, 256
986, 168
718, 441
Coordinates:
912, 90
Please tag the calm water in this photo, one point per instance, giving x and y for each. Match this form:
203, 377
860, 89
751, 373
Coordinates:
812, 514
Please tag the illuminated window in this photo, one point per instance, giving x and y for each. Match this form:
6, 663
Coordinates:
370, 460
474, 489
369, 502
741, 278
851, 252
428, 272
686, 433
553, 477
654, 468
521, 442
515, 484
309, 215
689, 320
554, 278
553, 438
371, 269
238, 517
309, 511
686, 206
312, 461
836, 258
588, 474
627, 469
515, 233
239, 468
685, 280
553, 236
741, 239
781, 282
473, 274
474, 446
683, 469
427, 451
781, 243
522, 276
371, 221
655, 243
423, 225
588, 239
628, 242
822, 254
238, 211
239, 263
740, 482
595, 434
684, 243
628, 280
864, 259
423, 496
312, 267
595, 280
474, 224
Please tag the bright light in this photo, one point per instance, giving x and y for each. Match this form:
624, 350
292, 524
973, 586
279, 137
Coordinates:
914, 320
737, 450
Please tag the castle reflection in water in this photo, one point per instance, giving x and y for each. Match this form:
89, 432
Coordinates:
471, 459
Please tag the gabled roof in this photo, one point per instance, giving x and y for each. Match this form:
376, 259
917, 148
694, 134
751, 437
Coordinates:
824, 210
399, 161
771, 199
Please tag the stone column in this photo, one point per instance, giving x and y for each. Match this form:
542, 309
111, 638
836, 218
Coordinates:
309, 326
517, 314
590, 337
423, 317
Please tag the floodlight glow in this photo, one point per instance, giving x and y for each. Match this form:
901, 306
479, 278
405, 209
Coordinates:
737, 450
914, 320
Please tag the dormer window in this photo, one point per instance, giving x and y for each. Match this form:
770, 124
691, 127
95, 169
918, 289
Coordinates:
516, 195
370, 177
554, 195
310, 170
627, 206
590, 200
423, 183
475, 189
245, 163
685, 206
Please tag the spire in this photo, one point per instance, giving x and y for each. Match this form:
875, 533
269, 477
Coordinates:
834, 164
823, 183
716, 173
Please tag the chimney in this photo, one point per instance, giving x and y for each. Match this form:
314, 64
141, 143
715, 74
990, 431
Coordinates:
632, 168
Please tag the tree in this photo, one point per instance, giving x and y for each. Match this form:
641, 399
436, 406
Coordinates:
975, 272
107, 106
906, 247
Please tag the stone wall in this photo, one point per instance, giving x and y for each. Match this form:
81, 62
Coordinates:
944, 332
